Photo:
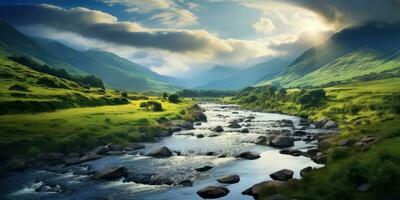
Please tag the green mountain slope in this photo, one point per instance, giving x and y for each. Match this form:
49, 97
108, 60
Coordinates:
248, 76
352, 52
116, 72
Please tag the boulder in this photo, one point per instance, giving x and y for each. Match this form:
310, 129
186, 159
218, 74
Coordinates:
319, 158
101, 150
304, 122
136, 146
73, 160
50, 158
213, 192
89, 157
299, 133
197, 123
161, 152
199, 135
110, 173
185, 134
265, 186
282, 141
218, 129
324, 144
234, 125
248, 155
261, 140
331, 125
321, 123
245, 130
114, 147
164, 134
203, 169
50, 188
230, 179
187, 125
199, 116
305, 171
282, 175
286, 123
186, 183
115, 153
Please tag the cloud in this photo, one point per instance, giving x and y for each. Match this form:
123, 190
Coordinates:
193, 46
175, 17
264, 25
166, 12
141, 6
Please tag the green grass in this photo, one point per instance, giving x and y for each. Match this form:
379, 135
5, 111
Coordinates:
80, 129
362, 109
38, 97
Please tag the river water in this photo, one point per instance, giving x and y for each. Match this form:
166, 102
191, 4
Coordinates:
193, 155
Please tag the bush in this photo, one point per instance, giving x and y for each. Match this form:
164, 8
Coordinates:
165, 95
50, 82
124, 94
394, 103
340, 153
311, 98
152, 105
351, 109
384, 174
19, 87
173, 98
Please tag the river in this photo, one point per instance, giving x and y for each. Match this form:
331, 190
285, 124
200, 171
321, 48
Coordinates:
193, 152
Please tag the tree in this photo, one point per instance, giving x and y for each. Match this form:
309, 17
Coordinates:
282, 92
165, 95
173, 98
152, 105
124, 94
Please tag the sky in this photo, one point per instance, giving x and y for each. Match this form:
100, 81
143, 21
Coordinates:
182, 37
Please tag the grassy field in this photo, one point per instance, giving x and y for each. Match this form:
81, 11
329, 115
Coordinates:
362, 109
78, 129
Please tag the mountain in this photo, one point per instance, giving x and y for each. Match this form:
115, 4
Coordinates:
355, 51
116, 72
248, 77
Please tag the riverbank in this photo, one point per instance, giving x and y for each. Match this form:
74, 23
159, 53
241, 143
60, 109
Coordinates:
81, 129
232, 151
365, 111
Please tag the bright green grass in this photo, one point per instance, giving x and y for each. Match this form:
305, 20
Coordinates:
82, 128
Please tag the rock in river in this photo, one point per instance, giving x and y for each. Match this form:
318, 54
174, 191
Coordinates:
230, 179
305, 171
161, 152
111, 173
213, 192
218, 129
282, 141
203, 169
282, 175
248, 155
265, 186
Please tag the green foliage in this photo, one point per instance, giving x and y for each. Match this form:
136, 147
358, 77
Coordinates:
165, 95
124, 94
19, 87
340, 153
151, 105
311, 98
173, 98
394, 103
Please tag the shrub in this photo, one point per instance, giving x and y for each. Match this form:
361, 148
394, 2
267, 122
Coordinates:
124, 94
50, 82
340, 153
394, 103
152, 105
311, 98
384, 174
173, 98
165, 95
19, 87
351, 109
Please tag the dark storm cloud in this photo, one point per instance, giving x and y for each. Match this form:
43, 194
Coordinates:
348, 12
102, 26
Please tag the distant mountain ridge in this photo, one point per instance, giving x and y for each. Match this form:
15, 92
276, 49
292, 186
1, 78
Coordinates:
115, 71
369, 48
249, 76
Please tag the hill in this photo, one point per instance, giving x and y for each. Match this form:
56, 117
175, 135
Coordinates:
370, 48
117, 72
248, 77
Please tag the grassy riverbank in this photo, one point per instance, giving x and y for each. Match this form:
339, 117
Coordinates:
362, 109
77, 129
46, 112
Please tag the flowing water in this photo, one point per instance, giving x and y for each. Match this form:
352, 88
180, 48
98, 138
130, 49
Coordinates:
193, 152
